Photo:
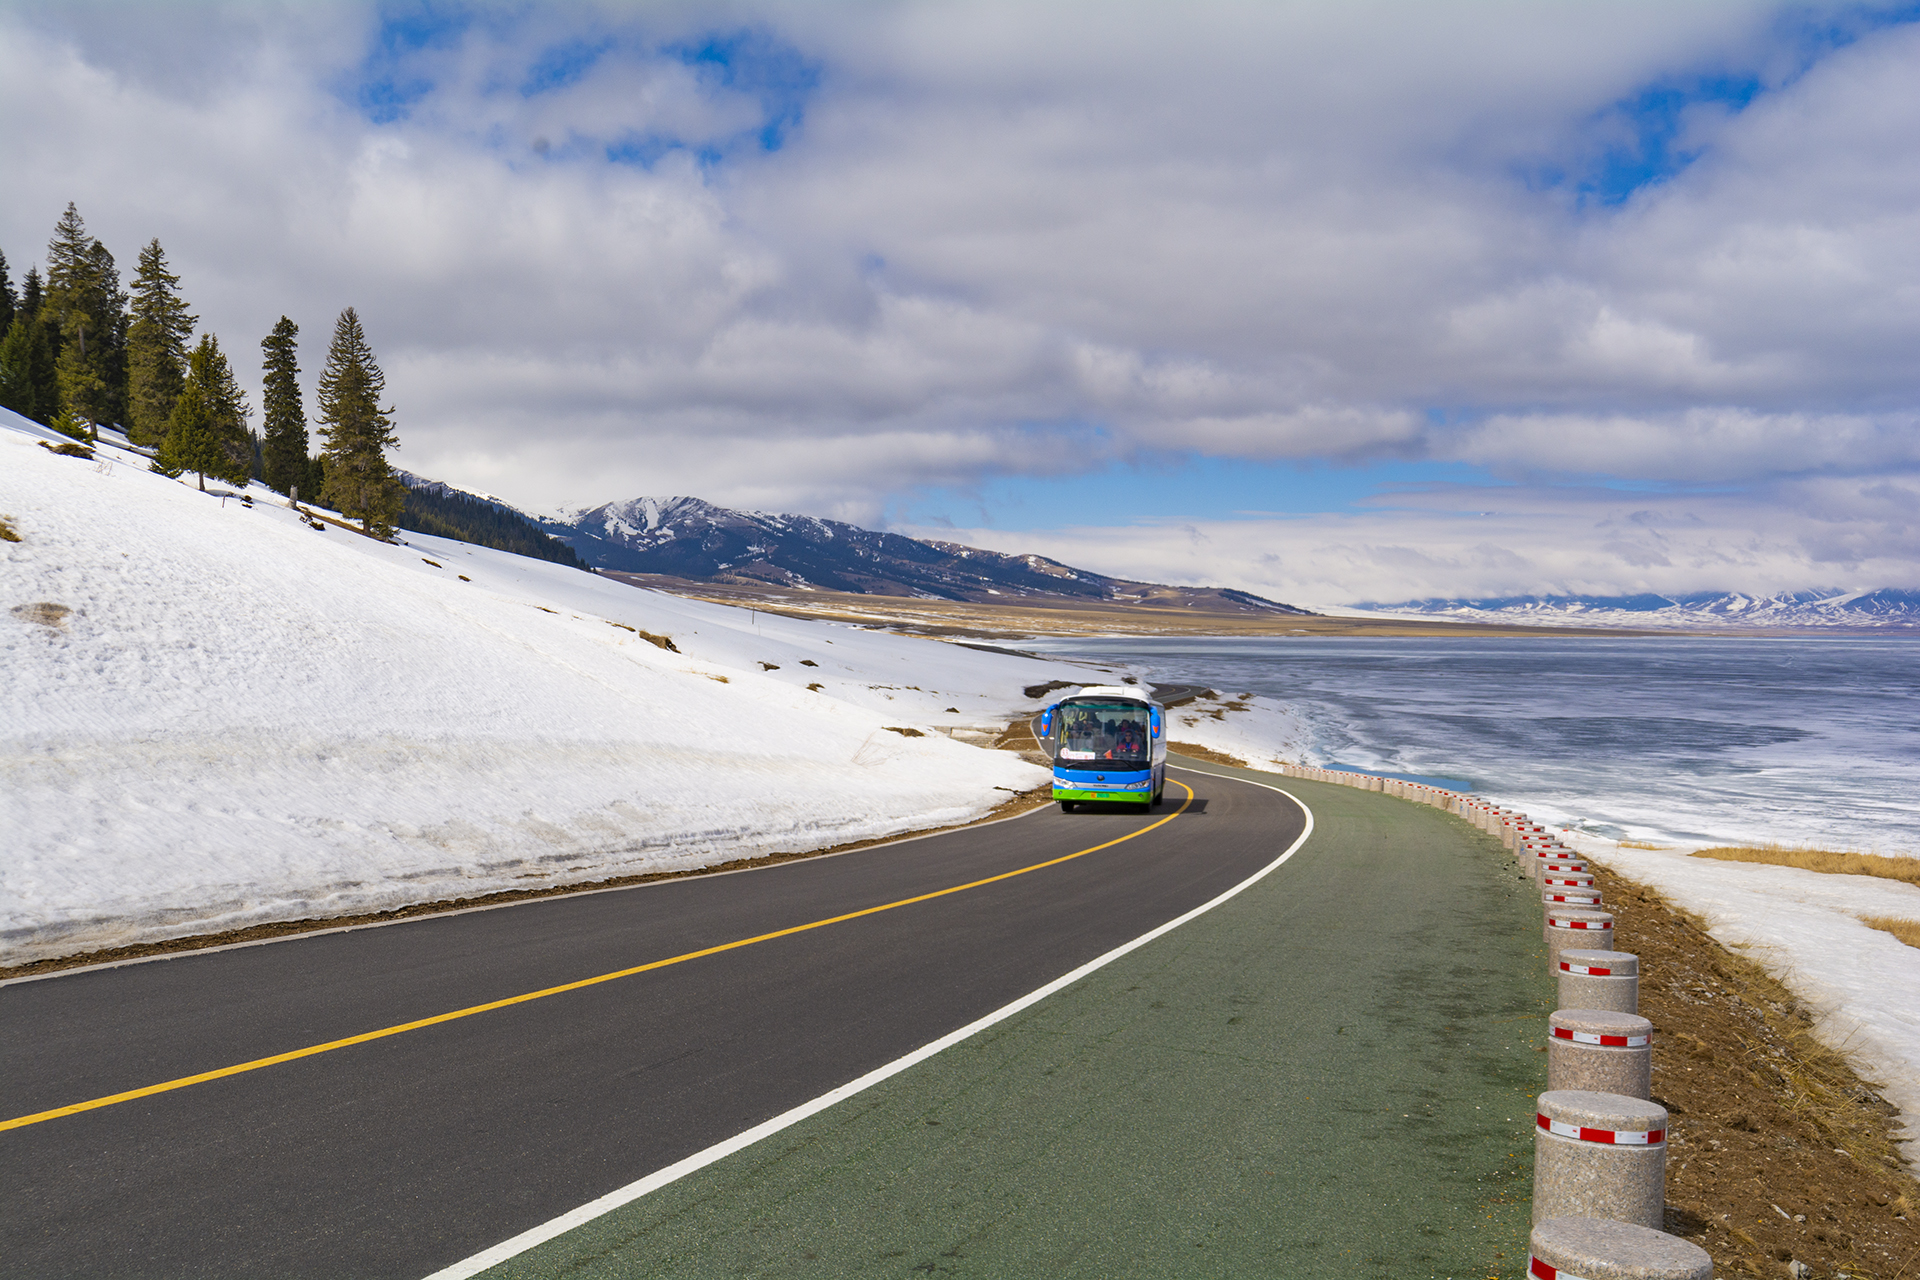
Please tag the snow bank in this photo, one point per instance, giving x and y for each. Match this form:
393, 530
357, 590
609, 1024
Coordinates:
1804, 928
1261, 731
239, 719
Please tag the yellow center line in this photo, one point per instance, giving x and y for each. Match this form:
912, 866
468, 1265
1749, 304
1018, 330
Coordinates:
94, 1104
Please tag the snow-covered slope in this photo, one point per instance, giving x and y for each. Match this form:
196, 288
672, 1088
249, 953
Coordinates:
1705, 610
212, 714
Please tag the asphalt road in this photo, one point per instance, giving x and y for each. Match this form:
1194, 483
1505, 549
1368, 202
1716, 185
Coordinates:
1330, 1074
398, 1156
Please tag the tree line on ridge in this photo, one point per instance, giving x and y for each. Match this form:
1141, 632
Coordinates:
79, 352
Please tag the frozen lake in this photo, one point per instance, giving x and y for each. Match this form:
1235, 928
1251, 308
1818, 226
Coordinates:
1666, 738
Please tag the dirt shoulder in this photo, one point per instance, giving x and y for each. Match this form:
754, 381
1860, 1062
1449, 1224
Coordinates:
1780, 1152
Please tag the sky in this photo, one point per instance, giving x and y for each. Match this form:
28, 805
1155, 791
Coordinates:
1326, 301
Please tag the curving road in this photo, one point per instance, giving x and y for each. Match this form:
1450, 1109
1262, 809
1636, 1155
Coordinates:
395, 1156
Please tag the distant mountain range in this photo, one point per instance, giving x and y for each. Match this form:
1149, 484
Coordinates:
1702, 610
693, 540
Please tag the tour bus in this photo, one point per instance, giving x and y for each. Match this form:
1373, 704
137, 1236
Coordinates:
1108, 744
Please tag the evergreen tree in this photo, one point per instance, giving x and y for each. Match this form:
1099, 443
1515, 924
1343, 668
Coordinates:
9, 303
314, 480
156, 347
207, 431
16, 390
27, 384
284, 451
86, 312
110, 305
359, 483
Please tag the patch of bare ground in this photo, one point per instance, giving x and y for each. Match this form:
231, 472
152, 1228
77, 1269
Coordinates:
1779, 1152
1010, 807
1834, 862
1186, 613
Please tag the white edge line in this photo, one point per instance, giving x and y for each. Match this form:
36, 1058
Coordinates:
506, 1249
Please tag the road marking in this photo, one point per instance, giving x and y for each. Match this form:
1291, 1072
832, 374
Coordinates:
536, 1236
94, 1104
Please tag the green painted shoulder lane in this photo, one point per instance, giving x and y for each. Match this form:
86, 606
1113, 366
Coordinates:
1331, 1074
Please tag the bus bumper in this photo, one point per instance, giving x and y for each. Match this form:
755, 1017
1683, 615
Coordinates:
1111, 788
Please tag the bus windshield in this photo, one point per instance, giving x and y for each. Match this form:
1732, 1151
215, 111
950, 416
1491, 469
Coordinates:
1103, 731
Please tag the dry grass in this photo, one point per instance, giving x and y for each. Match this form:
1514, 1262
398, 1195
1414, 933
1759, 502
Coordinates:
1639, 844
44, 612
1828, 860
1908, 931
7, 533
1818, 1082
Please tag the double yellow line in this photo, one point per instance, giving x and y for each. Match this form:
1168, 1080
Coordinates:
239, 1068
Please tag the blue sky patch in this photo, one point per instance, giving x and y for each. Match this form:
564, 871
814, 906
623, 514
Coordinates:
563, 65
767, 69
386, 89
1179, 487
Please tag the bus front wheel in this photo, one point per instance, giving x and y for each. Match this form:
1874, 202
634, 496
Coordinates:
1068, 806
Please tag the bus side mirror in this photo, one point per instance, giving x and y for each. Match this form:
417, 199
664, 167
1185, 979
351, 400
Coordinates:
1153, 720
1046, 723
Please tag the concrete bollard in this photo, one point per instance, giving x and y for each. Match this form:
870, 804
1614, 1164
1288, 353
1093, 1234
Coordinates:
1564, 861
1600, 1051
1599, 1155
1599, 980
1563, 897
1567, 880
1597, 1249
1538, 860
1576, 929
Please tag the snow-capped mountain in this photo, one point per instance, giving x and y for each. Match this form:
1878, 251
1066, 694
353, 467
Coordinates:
687, 538
1884, 608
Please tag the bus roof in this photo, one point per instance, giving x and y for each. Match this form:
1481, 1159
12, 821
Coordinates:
1129, 692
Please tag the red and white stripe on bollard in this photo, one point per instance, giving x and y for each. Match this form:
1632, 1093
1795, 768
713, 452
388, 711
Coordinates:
1567, 880
1576, 928
1592, 979
1599, 1249
1600, 1051
1599, 1155
1588, 897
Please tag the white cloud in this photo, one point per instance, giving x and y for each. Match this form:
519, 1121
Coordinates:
1466, 542
1017, 239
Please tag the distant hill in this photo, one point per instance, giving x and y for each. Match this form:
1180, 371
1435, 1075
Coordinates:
689, 539
1708, 609
447, 512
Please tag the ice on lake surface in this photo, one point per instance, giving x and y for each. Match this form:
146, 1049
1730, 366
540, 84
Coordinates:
1663, 738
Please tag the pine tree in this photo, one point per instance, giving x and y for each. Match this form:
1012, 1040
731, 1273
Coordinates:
313, 482
28, 383
284, 451
359, 484
9, 303
110, 308
16, 369
156, 347
86, 312
207, 431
